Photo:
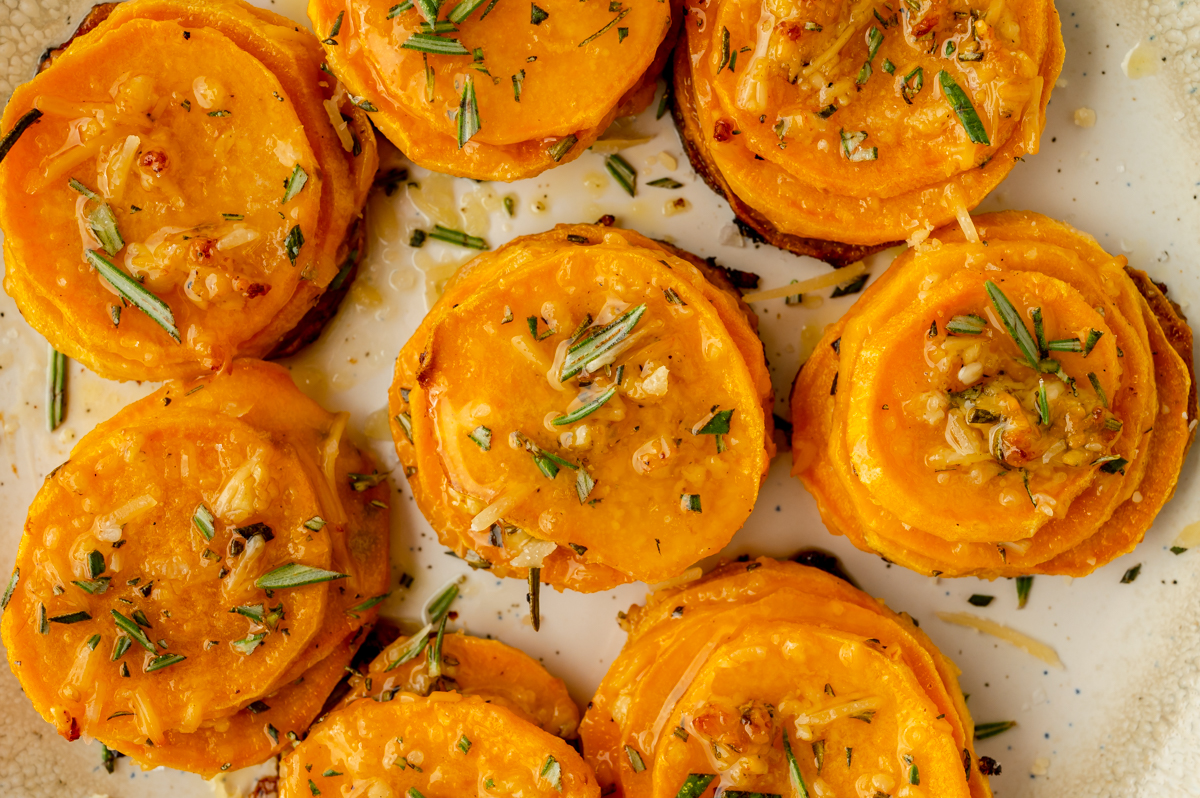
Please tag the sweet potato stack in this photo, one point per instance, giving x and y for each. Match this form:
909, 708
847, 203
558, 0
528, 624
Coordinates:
192, 583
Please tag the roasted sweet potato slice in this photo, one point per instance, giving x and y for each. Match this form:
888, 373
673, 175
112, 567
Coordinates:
715, 671
1042, 460
500, 674
861, 125
496, 91
187, 185
438, 746
524, 457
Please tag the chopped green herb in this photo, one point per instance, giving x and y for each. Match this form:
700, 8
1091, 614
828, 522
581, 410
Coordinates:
73, 617
561, 147
247, 645
852, 147
850, 287
95, 563
518, 82
134, 293
695, 785
1024, 583
1013, 323
94, 587
439, 605
635, 759
219, 113
434, 658
1113, 424
1095, 381
866, 716
296, 182
1065, 345
552, 772
163, 661
914, 775
724, 49
584, 484
252, 611
295, 575
962, 106
56, 388
313, 788
690, 502
417, 239
293, 243
913, 83
316, 523
1092, 338
1129, 576
606, 28
537, 15
1043, 404
794, 774
985, 730
979, 600
586, 409
818, 749
435, 45
482, 436
889, 67
337, 26
120, 646
458, 237
622, 172
599, 341
972, 324
665, 182
405, 422
203, 520
464, 9
718, 424
399, 9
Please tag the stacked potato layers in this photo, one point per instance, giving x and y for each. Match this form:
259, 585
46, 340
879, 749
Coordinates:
834, 128
772, 678
451, 715
188, 189
192, 583
588, 403
496, 91
1021, 404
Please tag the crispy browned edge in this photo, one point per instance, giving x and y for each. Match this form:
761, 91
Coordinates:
687, 124
1175, 328
309, 328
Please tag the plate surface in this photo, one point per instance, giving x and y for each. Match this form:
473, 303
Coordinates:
1121, 719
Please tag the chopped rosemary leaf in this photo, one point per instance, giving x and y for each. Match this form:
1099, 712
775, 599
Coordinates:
233, 217
695, 785
43, 624
889, 67
134, 631
293, 243
690, 502
635, 759
584, 484
962, 106
972, 324
537, 15
914, 775
464, 9
864, 74
1113, 424
1095, 381
95, 563
552, 771
623, 172
248, 644
458, 237
1043, 403
718, 424
434, 45
114, 312
664, 102
518, 82
599, 341
399, 9
364, 103
852, 147
433, 660
56, 388
203, 520
93, 587
913, 83
561, 147
252, 611
1024, 583
444, 26
866, 716
1065, 345
1039, 332
133, 292
1013, 323
482, 436
405, 422
464, 744
534, 596
364, 482
1090, 344
413, 648
220, 113
794, 774
724, 49
978, 600
316, 523
10, 138
93, 641
1111, 464
296, 182
163, 661
120, 646
673, 296
665, 182
1129, 576
429, 9
850, 287
73, 617
985, 730
587, 409
510, 206
295, 575
606, 28
337, 27
818, 749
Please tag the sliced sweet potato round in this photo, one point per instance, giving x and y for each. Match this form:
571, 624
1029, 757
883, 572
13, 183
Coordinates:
126, 606
1042, 459
186, 184
499, 673
438, 746
563, 388
714, 672
807, 116
496, 91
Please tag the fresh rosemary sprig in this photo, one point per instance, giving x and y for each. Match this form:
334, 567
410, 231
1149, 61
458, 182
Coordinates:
56, 388
963, 108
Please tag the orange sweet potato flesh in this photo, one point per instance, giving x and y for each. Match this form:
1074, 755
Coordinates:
252, 450
466, 368
441, 746
186, 121
536, 83
500, 674
796, 89
755, 648
880, 453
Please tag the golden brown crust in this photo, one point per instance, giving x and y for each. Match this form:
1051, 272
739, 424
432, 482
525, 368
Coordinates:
1174, 326
683, 112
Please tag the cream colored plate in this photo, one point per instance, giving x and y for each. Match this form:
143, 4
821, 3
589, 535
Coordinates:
1119, 720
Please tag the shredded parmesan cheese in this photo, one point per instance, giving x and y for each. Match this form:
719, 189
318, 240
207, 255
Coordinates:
836, 277
1022, 641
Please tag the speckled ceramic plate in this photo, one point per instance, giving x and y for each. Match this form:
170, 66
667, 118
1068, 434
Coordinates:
1119, 720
